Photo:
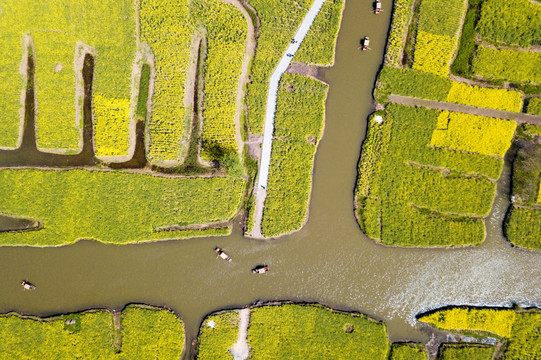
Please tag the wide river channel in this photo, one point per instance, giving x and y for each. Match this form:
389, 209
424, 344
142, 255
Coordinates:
329, 261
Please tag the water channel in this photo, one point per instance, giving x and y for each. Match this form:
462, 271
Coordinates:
329, 261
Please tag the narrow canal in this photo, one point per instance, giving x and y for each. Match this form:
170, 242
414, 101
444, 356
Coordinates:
329, 261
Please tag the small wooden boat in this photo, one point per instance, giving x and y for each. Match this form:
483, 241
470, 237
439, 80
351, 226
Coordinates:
27, 286
223, 255
377, 8
260, 269
364, 43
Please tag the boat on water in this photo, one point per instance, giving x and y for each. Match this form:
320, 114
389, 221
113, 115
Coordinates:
261, 269
377, 7
364, 43
27, 286
223, 255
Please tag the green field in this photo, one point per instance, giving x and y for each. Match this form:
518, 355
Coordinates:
279, 22
518, 329
517, 22
216, 340
298, 125
58, 61
465, 352
408, 351
145, 333
293, 331
425, 196
112, 207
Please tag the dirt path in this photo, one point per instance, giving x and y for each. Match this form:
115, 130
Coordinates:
241, 349
520, 118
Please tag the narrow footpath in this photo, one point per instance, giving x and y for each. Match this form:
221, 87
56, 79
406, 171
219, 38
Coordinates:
241, 349
285, 61
520, 118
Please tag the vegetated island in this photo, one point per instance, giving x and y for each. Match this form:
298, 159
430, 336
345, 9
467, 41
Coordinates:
432, 157
150, 135
139, 332
311, 331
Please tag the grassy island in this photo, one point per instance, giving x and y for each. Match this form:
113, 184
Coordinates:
516, 329
291, 331
421, 183
139, 332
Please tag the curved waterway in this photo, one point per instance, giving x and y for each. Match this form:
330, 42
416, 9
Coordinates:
328, 261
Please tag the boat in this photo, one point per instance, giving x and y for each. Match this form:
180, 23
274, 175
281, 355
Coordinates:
365, 42
27, 286
223, 255
377, 8
261, 269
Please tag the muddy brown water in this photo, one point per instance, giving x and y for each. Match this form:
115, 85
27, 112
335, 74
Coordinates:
329, 261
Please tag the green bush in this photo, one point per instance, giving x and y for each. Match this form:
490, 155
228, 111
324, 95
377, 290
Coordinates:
466, 49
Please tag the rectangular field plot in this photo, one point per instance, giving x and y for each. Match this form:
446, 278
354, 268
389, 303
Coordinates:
111, 207
508, 65
298, 128
478, 134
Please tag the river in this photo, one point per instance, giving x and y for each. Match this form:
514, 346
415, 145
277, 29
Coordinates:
329, 261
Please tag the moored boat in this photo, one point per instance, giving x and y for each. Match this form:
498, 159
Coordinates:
261, 269
27, 286
223, 255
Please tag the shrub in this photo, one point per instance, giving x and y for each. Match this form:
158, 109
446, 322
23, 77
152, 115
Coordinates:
499, 99
482, 135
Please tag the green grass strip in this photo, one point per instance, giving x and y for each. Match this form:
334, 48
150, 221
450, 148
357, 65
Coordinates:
298, 127
111, 207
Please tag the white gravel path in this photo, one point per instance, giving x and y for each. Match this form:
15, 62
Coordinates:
271, 103
241, 349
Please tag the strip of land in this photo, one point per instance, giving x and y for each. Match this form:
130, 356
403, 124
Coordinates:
520, 118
